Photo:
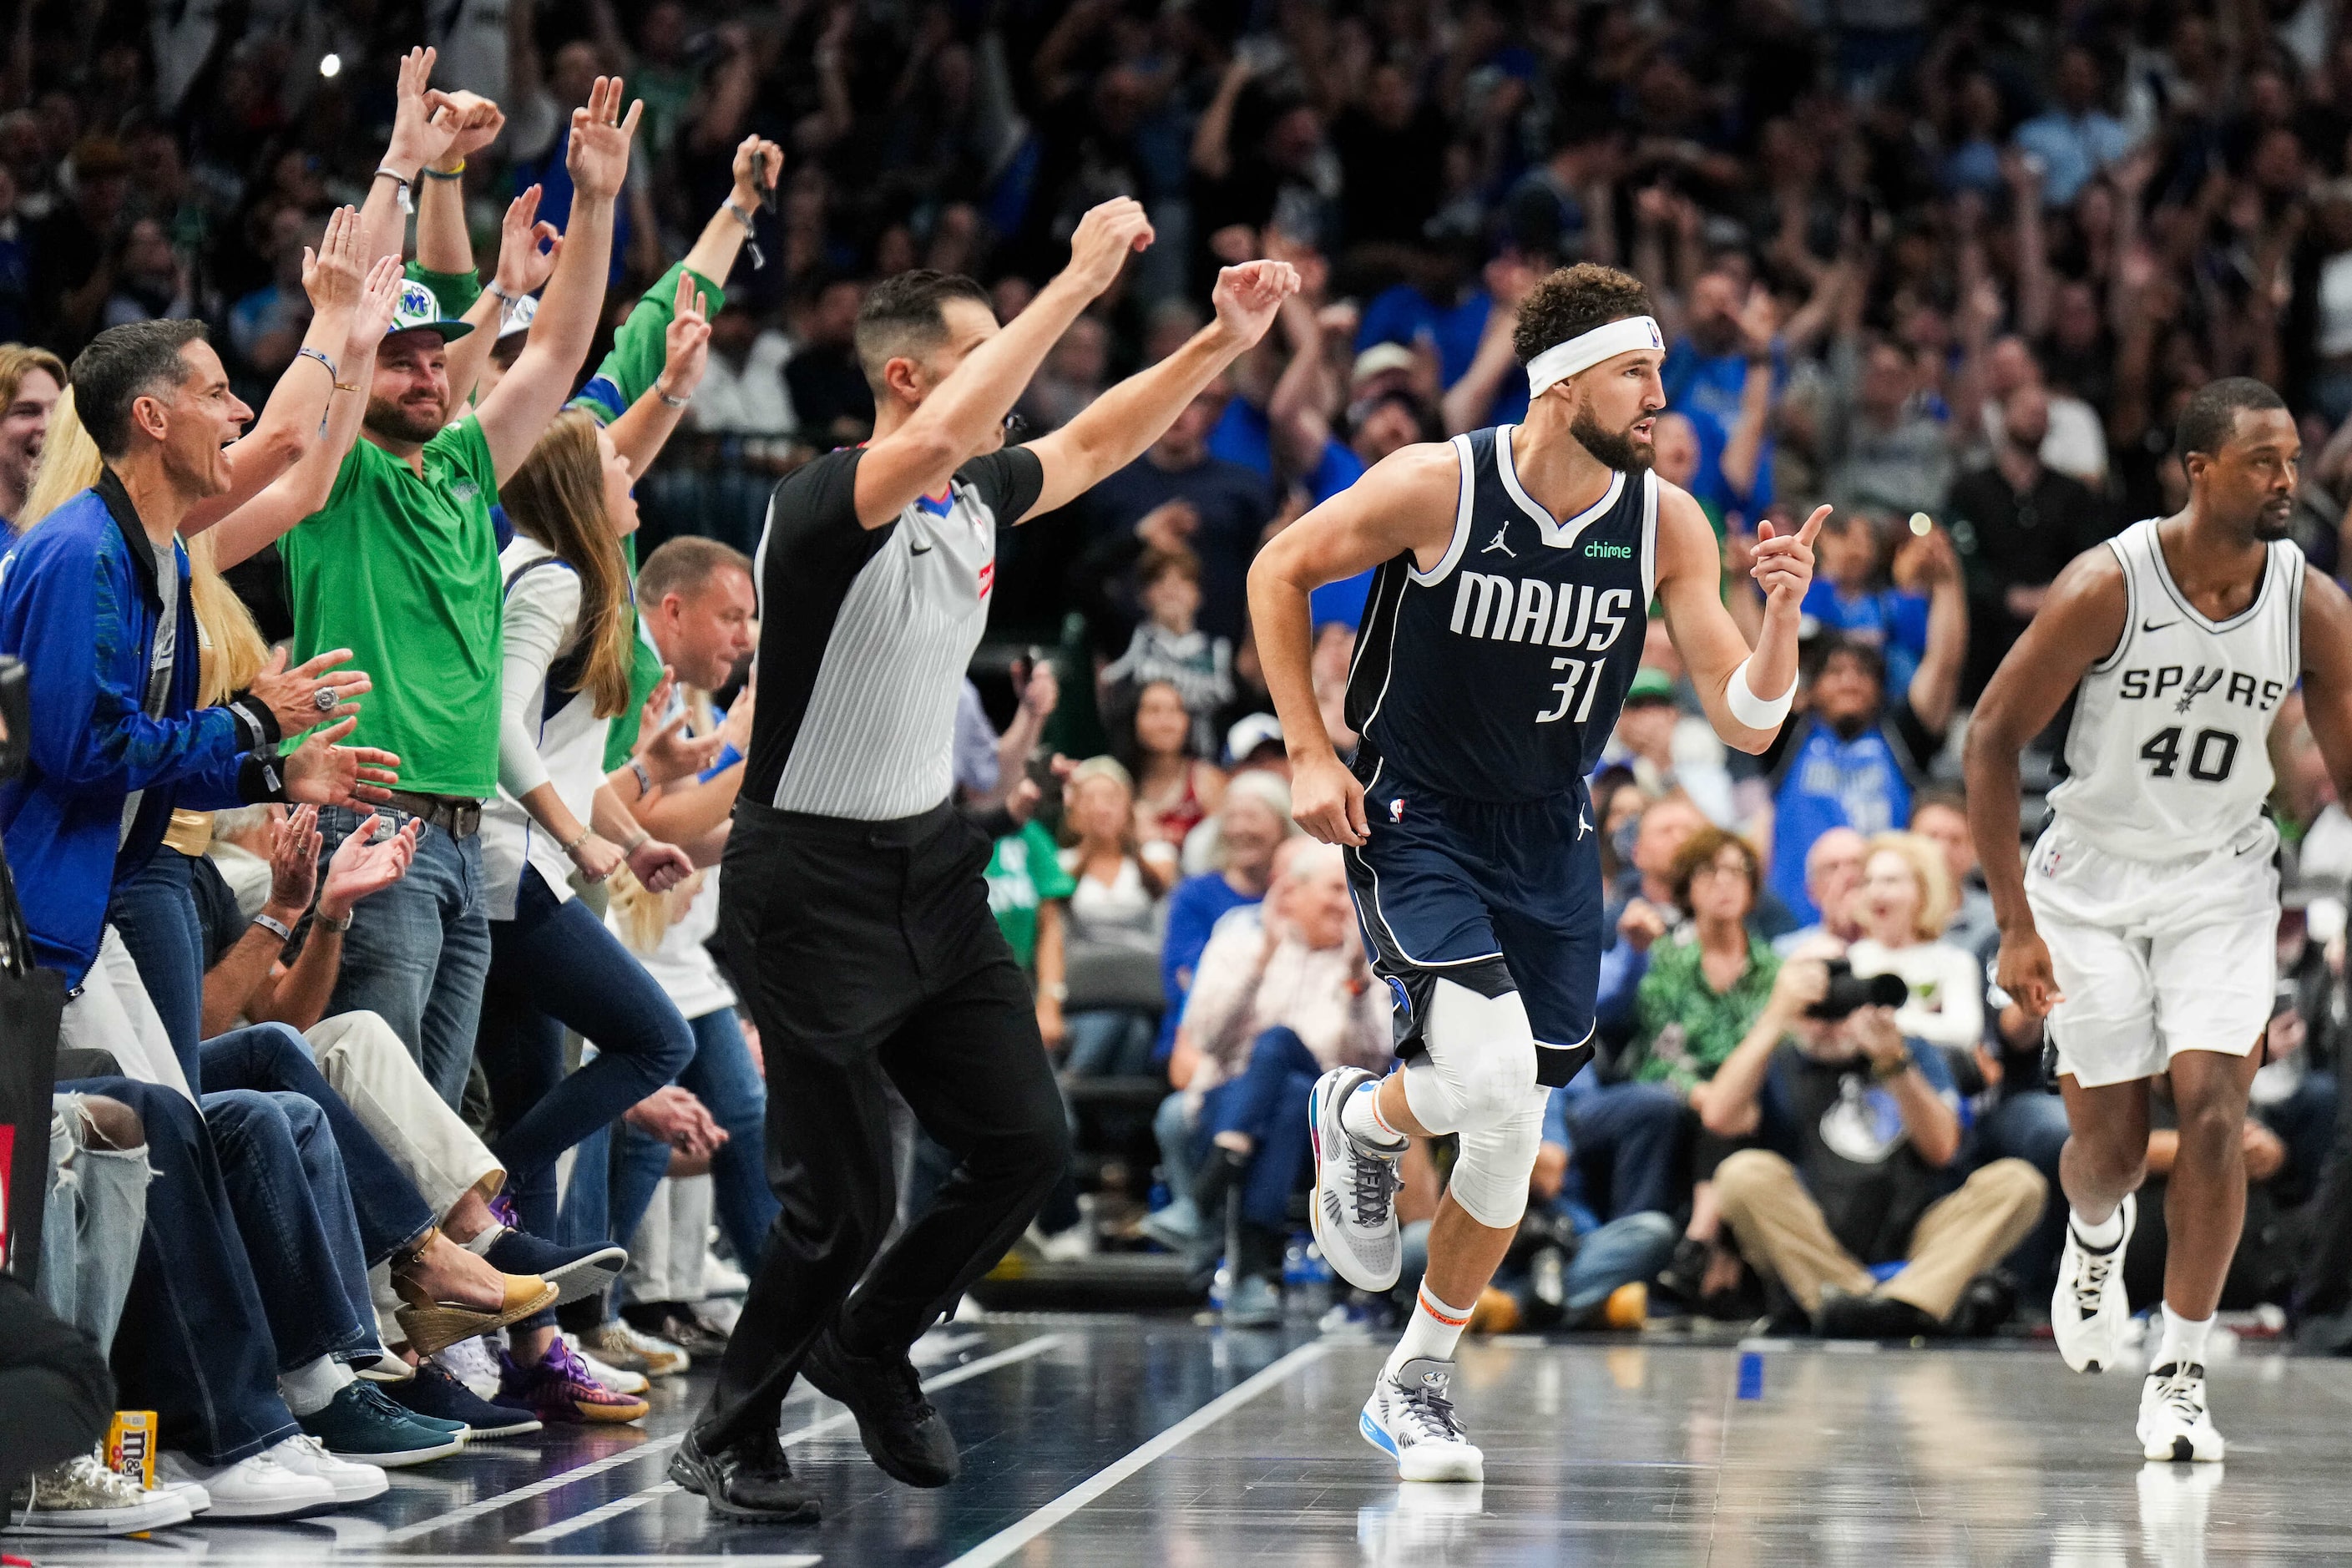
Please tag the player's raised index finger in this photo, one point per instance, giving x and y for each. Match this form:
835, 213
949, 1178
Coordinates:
1806, 535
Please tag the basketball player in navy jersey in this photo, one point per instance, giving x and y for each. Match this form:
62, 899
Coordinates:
1516, 569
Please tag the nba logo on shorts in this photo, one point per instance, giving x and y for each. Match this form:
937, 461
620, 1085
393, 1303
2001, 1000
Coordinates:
1396, 809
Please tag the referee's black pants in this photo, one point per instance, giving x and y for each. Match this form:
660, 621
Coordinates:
865, 950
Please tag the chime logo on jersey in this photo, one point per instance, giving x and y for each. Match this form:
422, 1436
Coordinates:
1527, 610
2184, 684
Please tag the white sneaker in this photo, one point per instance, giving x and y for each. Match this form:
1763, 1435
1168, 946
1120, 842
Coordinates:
471, 1362
617, 1379
189, 1492
81, 1497
353, 1481
2173, 1421
1409, 1418
1353, 1213
258, 1486
2089, 1311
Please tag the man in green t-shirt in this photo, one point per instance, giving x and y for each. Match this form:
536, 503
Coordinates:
402, 562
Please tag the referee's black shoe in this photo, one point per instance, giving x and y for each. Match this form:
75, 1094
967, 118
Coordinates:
749, 1479
902, 1433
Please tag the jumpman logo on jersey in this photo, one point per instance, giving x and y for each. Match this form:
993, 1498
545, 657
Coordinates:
1497, 543
1583, 823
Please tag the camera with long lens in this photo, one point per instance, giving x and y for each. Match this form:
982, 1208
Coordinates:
1849, 991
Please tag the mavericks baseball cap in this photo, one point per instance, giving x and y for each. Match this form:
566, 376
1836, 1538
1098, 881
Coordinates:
419, 308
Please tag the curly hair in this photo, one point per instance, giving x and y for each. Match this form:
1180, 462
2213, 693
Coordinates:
1573, 301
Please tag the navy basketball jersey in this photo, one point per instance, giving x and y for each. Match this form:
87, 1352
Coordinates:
1497, 675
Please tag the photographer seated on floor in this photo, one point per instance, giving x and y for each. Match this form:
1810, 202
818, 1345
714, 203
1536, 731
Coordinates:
1862, 1130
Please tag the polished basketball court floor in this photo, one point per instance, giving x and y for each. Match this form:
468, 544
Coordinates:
1102, 1440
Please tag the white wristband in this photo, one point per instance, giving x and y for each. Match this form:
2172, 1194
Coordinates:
1756, 712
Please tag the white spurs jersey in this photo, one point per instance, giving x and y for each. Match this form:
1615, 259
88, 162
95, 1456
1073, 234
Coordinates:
2166, 757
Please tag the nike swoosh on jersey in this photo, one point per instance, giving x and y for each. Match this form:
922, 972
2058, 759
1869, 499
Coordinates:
2155, 626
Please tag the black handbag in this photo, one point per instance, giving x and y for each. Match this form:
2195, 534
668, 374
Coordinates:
32, 1000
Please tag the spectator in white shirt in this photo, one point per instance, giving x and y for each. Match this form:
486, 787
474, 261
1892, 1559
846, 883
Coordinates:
1904, 904
1115, 904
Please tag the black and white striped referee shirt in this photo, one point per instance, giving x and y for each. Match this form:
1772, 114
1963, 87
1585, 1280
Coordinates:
864, 635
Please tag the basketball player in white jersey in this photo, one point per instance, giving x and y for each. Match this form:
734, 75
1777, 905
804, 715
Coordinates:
2143, 926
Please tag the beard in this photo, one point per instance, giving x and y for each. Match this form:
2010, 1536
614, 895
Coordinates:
1616, 448
2270, 529
402, 422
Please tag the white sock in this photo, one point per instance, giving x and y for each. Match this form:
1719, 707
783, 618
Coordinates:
2100, 1237
481, 1246
312, 1386
1359, 1118
2184, 1340
1432, 1335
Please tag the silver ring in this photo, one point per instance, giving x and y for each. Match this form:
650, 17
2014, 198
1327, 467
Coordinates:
323, 700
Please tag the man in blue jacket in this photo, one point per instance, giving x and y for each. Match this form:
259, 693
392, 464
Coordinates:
96, 602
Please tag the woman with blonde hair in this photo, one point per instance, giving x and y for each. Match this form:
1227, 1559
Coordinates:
1115, 904
1905, 901
553, 963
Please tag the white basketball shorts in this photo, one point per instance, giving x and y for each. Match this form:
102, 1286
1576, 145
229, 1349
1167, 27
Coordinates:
2156, 956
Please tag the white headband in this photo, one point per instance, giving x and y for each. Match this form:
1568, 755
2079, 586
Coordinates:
1609, 340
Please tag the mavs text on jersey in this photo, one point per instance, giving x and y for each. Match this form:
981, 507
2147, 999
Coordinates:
1485, 689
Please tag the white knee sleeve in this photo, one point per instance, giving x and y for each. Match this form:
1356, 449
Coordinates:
1479, 1064
1490, 1175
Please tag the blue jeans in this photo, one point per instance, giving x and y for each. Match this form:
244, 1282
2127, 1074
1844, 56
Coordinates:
1266, 1100
1109, 1042
1627, 1139
2031, 1126
722, 1077
293, 1208
554, 966
418, 952
194, 1344
94, 1207
390, 1212
156, 912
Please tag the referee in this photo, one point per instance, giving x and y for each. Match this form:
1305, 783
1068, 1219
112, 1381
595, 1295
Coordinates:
853, 907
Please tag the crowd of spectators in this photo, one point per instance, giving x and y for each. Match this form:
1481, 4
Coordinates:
1952, 270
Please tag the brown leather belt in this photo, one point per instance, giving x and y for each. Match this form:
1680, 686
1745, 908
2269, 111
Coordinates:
453, 814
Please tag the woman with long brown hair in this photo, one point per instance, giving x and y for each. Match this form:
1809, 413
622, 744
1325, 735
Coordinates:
553, 963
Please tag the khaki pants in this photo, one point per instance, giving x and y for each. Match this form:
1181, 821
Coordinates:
1782, 1233
113, 1014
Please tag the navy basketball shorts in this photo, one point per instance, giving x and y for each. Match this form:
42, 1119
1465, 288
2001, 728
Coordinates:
1493, 897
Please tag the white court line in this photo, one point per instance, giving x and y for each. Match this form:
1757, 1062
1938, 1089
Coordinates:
597, 1516
1013, 1538
948, 1379
648, 1450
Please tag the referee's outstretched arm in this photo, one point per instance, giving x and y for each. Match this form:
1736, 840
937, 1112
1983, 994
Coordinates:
1116, 427
938, 405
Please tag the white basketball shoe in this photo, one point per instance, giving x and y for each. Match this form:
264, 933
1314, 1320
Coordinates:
2173, 1421
1409, 1418
1354, 1213
2090, 1310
